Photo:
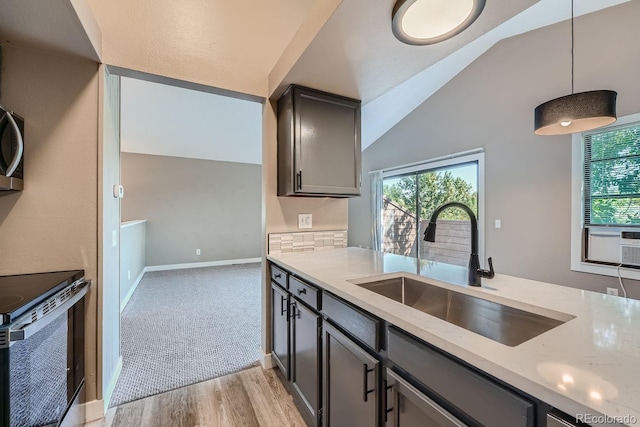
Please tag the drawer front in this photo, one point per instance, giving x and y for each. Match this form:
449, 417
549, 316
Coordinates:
359, 324
304, 292
480, 398
279, 276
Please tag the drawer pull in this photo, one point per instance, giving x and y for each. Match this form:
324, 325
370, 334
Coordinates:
302, 291
277, 275
365, 388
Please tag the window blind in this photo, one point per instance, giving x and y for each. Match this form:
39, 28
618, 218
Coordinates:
612, 176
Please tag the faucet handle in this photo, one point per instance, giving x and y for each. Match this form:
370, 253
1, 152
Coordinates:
490, 273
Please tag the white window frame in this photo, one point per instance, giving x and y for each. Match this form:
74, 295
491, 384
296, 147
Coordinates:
476, 155
577, 210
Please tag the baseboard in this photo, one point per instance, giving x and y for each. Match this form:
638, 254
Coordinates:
124, 303
112, 385
200, 264
93, 411
267, 361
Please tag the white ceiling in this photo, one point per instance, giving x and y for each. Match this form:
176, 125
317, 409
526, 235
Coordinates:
356, 54
59, 26
227, 44
389, 76
378, 117
172, 121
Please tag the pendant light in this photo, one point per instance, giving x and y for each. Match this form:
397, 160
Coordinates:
577, 112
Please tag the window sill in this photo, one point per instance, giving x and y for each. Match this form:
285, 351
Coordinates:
605, 270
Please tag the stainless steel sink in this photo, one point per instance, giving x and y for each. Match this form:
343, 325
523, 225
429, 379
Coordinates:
502, 323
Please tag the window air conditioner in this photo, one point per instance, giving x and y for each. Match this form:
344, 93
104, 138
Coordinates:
630, 247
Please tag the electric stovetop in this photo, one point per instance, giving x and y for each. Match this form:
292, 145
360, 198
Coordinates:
20, 293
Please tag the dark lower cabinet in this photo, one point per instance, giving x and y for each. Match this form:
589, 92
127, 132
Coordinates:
351, 378
406, 406
280, 328
305, 357
333, 354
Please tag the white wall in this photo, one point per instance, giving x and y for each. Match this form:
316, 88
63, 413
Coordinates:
109, 215
173, 121
132, 257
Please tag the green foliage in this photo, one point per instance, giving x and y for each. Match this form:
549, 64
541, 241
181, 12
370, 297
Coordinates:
615, 176
436, 188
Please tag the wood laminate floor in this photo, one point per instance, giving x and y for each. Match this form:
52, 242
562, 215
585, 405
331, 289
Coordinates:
254, 397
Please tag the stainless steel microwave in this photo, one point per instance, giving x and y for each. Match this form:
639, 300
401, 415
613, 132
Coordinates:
11, 151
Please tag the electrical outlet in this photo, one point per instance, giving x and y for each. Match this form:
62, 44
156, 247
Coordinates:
304, 220
498, 223
198, 252
612, 291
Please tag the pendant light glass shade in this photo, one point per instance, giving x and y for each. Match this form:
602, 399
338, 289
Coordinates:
577, 112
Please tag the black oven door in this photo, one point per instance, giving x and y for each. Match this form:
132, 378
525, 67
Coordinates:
41, 374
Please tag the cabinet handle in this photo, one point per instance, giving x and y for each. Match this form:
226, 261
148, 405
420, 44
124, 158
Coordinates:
299, 180
387, 387
365, 388
294, 311
282, 309
302, 291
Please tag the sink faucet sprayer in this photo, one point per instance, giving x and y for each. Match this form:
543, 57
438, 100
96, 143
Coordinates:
475, 272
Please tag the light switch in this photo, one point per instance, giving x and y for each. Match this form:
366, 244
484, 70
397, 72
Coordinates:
498, 223
304, 220
114, 238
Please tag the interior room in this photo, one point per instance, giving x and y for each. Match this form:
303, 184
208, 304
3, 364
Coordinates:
444, 206
190, 165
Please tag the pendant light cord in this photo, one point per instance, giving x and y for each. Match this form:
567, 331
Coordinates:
572, 88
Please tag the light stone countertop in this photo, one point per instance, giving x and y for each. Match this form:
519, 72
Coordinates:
591, 364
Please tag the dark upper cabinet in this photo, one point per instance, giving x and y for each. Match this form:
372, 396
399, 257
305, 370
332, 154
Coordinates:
318, 144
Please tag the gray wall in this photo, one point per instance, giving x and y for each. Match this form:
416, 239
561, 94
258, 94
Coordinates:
132, 257
190, 204
528, 177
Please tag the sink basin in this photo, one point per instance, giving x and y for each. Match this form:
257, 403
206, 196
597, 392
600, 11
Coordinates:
502, 323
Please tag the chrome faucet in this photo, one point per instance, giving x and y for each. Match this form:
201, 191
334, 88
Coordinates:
475, 272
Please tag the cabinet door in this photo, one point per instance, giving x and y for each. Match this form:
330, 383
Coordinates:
305, 356
406, 406
280, 328
350, 382
327, 144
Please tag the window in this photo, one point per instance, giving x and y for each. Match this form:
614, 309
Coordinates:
606, 198
612, 176
411, 194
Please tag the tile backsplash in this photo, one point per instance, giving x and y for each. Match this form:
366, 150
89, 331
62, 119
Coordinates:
307, 241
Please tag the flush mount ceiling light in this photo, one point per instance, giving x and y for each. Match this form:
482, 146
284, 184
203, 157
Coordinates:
577, 112
423, 22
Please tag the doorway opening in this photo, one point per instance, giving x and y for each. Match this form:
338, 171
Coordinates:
189, 233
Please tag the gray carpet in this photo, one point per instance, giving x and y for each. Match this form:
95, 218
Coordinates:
187, 326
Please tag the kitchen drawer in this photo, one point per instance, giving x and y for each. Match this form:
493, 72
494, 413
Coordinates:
279, 276
358, 323
477, 396
304, 292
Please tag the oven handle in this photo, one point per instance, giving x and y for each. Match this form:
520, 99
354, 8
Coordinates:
29, 330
